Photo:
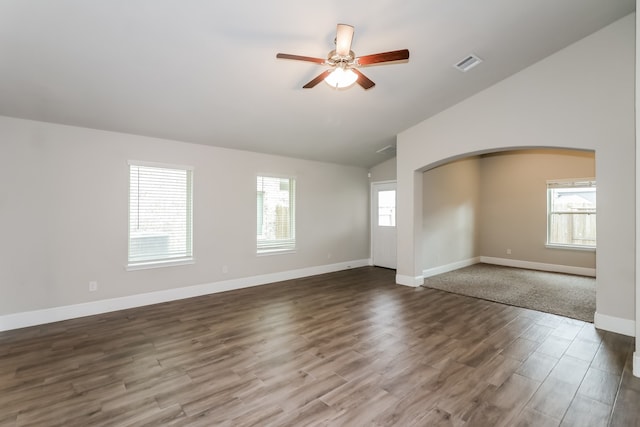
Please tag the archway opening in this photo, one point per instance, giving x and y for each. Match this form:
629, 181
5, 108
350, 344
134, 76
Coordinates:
493, 208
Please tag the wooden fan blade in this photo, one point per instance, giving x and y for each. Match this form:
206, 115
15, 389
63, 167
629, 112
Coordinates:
300, 58
376, 58
344, 37
363, 80
317, 80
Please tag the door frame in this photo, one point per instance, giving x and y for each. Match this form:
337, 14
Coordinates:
373, 213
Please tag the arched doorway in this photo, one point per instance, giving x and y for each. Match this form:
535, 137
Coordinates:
492, 209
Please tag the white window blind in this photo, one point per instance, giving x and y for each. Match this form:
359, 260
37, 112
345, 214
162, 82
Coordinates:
275, 202
571, 213
160, 214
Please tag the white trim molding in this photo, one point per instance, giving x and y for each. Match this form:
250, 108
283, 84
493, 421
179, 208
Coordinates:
555, 268
636, 364
615, 324
449, 267
56, 314
413, 282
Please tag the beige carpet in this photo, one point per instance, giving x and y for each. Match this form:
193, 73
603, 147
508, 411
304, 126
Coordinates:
563, 294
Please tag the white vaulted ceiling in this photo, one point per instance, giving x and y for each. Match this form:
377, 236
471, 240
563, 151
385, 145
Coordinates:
206, 71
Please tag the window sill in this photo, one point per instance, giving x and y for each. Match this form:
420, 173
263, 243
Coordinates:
571, 247
267, 252
159, 264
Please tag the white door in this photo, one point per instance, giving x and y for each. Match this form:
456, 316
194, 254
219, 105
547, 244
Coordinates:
383, 224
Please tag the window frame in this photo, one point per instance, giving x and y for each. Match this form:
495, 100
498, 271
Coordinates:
188, 257
568, 184
276, 246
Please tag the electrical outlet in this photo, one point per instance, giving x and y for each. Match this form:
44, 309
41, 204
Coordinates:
225, 269
93, 286
508, 251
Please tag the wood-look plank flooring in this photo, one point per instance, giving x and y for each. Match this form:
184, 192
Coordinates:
343, 349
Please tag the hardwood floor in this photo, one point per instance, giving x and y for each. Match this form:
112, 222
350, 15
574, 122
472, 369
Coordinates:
346, 348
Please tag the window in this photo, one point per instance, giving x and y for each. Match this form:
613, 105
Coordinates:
571, 213
160, 214
387, 208
276, 229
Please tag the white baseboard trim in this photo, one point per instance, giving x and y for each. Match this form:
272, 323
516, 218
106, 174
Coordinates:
615, 324
56, 314
556, 268
414, 282
449, 267
636, 364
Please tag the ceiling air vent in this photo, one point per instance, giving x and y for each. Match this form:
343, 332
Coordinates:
468, 63
386, 148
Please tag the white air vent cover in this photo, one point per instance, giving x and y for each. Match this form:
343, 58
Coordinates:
468, 63
386, 148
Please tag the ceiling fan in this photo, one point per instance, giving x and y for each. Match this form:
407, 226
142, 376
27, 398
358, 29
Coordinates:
343, 63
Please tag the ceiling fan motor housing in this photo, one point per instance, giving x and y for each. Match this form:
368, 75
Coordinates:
341, 61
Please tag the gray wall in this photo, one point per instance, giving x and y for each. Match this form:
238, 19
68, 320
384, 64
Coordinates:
385, 171
513, 204
451, 212
64, 213
484, 205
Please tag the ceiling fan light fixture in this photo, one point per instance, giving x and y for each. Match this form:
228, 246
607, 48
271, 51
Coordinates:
341, 78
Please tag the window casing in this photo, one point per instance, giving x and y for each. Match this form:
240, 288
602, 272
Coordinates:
571, 213
160, 215
275, 201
